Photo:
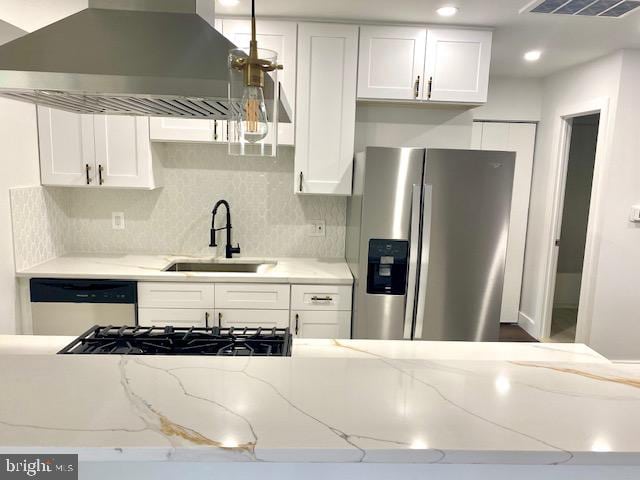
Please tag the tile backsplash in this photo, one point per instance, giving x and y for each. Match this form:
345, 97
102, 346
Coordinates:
268, 218
40, 224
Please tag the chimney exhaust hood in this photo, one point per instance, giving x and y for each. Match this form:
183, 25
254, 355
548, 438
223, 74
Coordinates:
127, 62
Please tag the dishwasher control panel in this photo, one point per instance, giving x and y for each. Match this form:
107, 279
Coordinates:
83, 291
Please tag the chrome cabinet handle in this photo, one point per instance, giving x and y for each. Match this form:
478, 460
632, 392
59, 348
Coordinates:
301, 178
297, 319
321, 299
206, 319
429, 88
100, 179
86, 170
220, 319
416, 88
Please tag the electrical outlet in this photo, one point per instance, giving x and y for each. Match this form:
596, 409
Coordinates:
317, 228
117, 220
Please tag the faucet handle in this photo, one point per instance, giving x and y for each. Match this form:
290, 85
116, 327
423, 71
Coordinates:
235, 249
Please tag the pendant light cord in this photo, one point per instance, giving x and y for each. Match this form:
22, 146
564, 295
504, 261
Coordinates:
253, 20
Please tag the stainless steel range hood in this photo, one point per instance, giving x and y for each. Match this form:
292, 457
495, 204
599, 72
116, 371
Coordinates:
126, 62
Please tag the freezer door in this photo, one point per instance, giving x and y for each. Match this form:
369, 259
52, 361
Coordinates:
467, 200
387, 254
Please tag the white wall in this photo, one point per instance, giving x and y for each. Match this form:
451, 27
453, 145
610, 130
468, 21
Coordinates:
615, 329
18, 167
580, 84
512, 99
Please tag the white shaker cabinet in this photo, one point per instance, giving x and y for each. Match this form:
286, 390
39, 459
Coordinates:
279, 36
326, 108
95, 150
457, 65
175, 317
321, 311
251, 318
391, 62
67, 149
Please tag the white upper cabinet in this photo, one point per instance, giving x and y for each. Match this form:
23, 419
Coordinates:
67, 151
391, 62
457, 65
326, 108
95, 150
279, 36
123, 151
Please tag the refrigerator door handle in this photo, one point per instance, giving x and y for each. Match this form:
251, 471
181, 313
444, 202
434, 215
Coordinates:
414, 248
424, 259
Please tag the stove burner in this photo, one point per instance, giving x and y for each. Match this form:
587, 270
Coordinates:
170, 340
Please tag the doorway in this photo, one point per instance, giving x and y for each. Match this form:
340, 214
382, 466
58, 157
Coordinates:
581, 157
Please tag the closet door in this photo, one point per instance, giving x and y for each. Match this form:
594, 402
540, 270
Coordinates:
520, 138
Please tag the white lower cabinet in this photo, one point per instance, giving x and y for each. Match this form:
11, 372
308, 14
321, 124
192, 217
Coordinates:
311, 311
252, 318
176, 317
321, 324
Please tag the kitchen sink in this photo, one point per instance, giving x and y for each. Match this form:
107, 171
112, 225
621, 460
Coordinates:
215, 267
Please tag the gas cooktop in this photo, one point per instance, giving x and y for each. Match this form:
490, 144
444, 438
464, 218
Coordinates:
231, 341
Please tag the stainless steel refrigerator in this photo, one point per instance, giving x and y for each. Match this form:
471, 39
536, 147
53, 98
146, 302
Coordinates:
427, 233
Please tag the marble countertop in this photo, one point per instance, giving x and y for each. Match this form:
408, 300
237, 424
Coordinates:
397, 349
358, 402
150, 268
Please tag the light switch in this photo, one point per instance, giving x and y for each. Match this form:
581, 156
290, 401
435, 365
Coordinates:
635, 214
117, 220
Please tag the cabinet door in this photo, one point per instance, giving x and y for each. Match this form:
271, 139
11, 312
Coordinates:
391, 62
176, 317
279, 36
321, 324
251, 318
520, 138
163, 129
325, 122
123, 151
67, 151
457, 65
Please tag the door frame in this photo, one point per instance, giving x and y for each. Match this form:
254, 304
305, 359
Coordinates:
561, 144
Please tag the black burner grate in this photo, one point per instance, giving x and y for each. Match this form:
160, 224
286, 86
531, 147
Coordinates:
213, 341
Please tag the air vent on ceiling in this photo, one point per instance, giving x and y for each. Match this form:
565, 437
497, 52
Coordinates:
587, 8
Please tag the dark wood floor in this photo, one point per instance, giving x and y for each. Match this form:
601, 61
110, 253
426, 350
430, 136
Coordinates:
513, 333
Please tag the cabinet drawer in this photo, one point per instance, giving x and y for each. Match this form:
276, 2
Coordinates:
251, 318
177, 317
325, 324
321, 297
175, 295
252, 296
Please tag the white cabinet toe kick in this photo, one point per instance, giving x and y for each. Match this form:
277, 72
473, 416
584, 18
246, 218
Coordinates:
310, 311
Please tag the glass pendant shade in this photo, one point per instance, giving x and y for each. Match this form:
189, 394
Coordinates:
253, 129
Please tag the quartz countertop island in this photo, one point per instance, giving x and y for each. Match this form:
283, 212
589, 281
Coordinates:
353, 402
151, 268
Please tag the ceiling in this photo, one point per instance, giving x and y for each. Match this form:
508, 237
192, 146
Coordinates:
564, 40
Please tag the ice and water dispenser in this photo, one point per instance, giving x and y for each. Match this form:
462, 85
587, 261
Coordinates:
387, 270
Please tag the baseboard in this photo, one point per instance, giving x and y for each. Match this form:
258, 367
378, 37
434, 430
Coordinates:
528, 325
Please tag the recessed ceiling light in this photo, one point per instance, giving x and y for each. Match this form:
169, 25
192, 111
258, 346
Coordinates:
229, 3
533, 56
447, 11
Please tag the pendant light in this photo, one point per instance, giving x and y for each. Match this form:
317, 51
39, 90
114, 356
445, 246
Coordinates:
252, 119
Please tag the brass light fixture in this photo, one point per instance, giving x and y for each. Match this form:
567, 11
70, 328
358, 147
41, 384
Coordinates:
252, 121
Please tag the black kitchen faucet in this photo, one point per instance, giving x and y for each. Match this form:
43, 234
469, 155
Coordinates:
228, 249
